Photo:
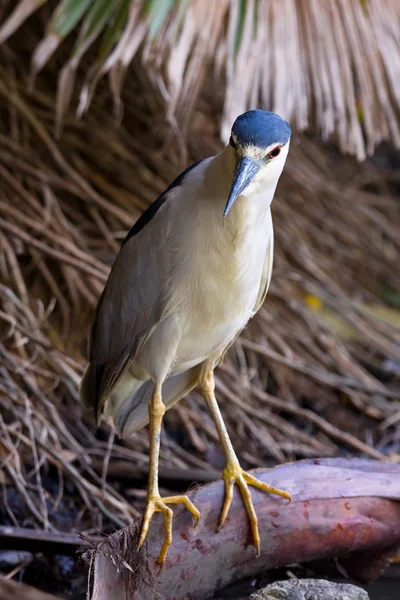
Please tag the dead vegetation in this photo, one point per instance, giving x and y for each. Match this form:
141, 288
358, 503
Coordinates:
333, 65
315, 374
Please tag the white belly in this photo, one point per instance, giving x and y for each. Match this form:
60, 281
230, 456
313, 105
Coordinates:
221, 298
197, 344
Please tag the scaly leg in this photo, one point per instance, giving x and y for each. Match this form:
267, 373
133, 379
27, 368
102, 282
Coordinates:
233, 472
154, 501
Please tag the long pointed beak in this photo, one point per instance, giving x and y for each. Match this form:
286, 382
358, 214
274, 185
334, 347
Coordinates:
246, 168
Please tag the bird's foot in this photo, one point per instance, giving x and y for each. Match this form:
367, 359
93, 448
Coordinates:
233, 473
157, 504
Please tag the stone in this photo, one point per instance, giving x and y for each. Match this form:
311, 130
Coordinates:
309, 589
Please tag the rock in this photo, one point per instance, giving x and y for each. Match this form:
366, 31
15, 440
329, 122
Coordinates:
310, 589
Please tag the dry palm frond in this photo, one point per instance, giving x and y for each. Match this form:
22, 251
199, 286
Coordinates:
333, 66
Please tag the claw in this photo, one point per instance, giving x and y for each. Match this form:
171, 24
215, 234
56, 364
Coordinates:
234, 473
157, 504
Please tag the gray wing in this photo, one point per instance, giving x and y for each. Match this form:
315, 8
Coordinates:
133, 301
129, 309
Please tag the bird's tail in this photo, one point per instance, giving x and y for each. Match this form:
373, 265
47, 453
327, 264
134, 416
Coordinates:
133, 413
88, 390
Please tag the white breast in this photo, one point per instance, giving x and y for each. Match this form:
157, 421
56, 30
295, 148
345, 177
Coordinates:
217, 283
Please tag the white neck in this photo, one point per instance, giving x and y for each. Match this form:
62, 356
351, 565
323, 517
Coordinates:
256, 199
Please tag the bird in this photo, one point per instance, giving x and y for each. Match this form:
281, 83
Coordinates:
192, 271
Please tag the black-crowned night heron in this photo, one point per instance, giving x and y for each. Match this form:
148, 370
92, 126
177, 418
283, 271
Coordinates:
192, 271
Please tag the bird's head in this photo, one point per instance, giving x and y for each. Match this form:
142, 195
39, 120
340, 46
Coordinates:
260, 140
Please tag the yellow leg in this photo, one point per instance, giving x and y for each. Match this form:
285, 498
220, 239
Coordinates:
233, 472
154, 501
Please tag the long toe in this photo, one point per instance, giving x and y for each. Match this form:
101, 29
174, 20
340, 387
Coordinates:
251, 480
234, 473
186, 502
157, 504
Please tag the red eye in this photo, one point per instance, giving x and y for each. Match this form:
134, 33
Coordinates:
275, 152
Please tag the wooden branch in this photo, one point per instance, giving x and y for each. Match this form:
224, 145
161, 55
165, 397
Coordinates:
38, 540
171, 476
10, 589
338, 506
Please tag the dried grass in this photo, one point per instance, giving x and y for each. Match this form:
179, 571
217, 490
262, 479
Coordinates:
315, 373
